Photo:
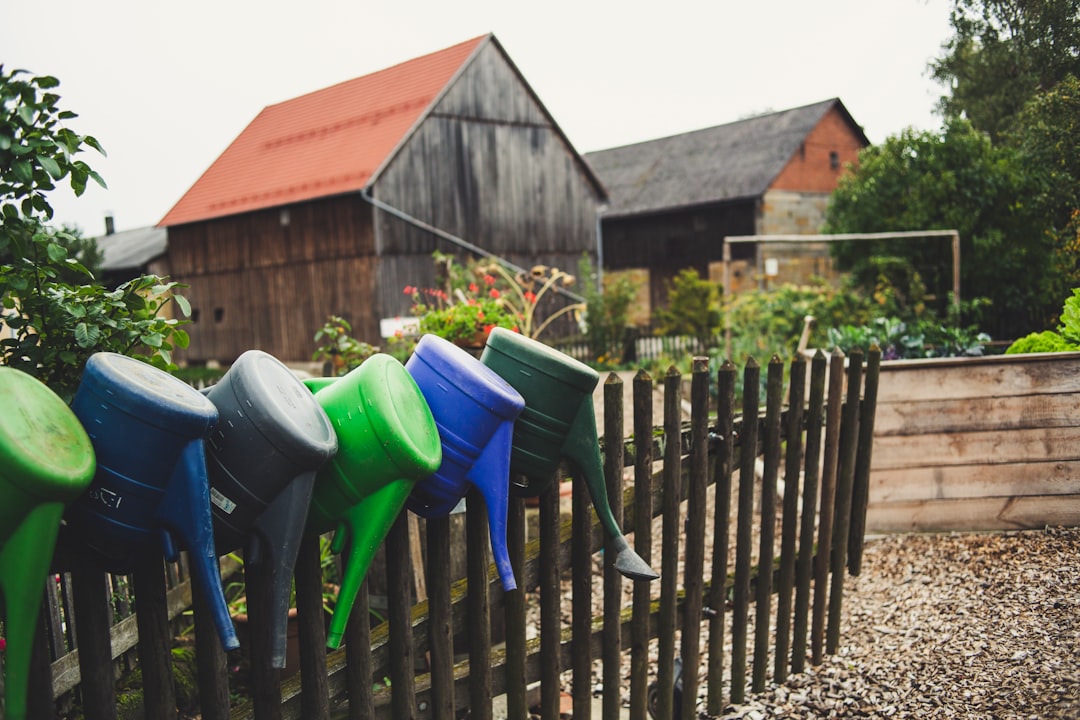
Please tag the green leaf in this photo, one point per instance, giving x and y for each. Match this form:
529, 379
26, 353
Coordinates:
50, 166
23, 170
26, 114
47, 81
153, 340
98, 179
184, 304
57, 252
181, 338
92, 142
86, 335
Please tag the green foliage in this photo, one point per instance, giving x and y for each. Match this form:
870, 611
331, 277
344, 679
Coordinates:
899, 340
36, 151
770, 322
1003, 53
337, 347
693, 308
956, 180
607, 309
55, 317
1066, 339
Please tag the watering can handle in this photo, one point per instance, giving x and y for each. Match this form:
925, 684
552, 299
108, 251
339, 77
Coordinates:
365, 526
491, 475
276, 542
581, 447
24, 565
187, 507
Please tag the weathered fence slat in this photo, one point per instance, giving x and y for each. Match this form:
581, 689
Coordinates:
827, 505
210, 659
155, 641
741, 604
723, 468
516, 702
613, 477
478, 610
643, 515
849, 429
92, 615
440, 634
792, 464
358, 679
669, 552
694, 556
815, 416
315, 695
399, 585
581, 615
550, 601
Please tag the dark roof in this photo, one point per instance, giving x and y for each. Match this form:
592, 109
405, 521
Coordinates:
131, 249
726, 162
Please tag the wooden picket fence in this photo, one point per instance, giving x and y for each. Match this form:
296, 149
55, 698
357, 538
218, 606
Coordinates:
437, 658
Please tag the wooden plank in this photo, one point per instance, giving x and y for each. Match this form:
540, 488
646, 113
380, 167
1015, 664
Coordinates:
611, 650
743, 535
974, 514
669, 550
962, 448
999, 375
1051, 477
774, 398
1016, 412
694, 556
643, 514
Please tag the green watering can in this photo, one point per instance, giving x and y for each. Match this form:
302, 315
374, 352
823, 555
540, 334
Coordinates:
46, 461
558, 421
387, 441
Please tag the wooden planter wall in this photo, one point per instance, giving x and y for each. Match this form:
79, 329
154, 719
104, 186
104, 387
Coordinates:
970, 444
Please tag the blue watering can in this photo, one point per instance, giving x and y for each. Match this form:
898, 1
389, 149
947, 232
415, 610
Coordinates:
474, 410
151, 486
558, 421
387, 441
46, 461
262, 455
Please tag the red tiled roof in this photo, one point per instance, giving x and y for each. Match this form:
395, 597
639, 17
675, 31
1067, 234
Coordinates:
324, 143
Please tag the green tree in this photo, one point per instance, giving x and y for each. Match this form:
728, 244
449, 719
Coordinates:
693, 309
1002, 53
607, 308
56, 322
953, 180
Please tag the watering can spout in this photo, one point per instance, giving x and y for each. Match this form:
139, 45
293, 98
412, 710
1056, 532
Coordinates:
24, 563
362, 529
275, 543
583, 449
491, 474
185, 511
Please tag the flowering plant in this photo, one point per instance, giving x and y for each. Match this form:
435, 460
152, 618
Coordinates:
484, 295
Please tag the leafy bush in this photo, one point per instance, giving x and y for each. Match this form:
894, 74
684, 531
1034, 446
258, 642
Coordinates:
1066, 339
899, 340
336, 347
607, 309
693, 309
55, 315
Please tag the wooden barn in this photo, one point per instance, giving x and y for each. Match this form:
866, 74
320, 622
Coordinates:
674, 199
333, 202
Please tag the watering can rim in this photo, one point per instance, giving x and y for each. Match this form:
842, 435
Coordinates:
44, 471
302, 442
539, 356
138, 390
475, 379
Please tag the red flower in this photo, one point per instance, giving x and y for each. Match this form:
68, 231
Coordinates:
494, 293
473, 287
489, 279
530, 296
488, 329
409, 290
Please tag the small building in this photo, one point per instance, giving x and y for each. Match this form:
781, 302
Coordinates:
674, 199
129, 254
331, 203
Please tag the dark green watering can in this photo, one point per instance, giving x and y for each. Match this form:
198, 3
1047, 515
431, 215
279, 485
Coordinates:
558, 421
46, 461
387, 441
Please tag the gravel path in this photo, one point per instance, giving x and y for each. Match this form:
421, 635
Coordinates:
950, 626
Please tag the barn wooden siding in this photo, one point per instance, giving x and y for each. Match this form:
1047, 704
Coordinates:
977, 444
487, 165
266, 280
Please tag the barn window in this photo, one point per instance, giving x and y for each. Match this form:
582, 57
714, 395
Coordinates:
219, 314
834, 160
194, 315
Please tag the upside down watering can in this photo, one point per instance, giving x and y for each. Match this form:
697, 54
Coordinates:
46, 461
558, 421
474, 410
270, 438
387, 441
151, 486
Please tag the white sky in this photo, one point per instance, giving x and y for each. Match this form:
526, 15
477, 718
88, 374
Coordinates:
166, 87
